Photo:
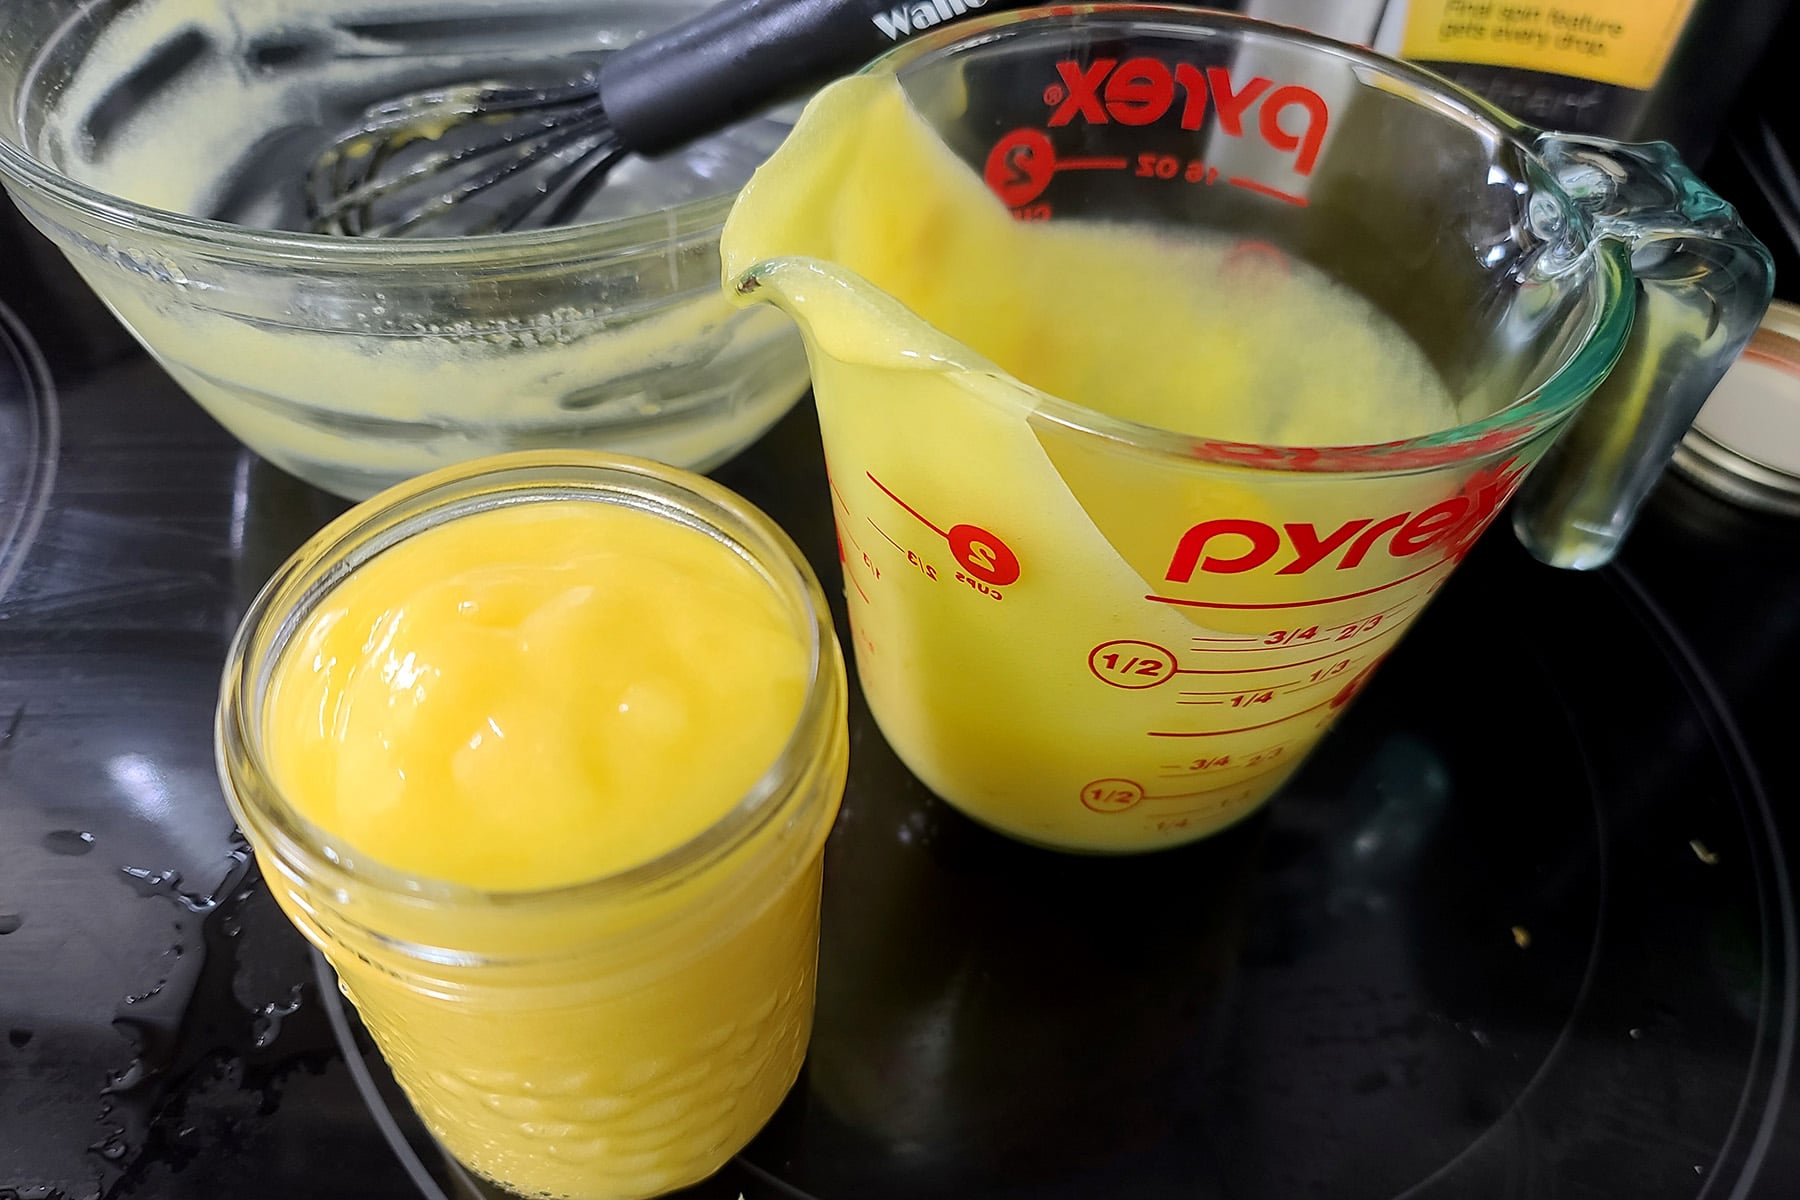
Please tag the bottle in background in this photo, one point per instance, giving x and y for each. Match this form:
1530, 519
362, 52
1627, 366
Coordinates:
1637, 70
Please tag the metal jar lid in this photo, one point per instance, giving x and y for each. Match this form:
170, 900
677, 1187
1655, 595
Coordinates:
1745, 444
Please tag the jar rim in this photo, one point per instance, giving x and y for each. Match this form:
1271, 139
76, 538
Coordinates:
280, 608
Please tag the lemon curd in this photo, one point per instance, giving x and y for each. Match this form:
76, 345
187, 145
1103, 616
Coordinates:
548, 782
536, 695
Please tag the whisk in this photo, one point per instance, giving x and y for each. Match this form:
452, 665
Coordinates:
416, 159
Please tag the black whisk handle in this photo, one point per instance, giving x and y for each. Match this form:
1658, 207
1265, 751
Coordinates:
738, 56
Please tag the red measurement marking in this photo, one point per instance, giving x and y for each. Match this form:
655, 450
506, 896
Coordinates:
1355, 685
1298, 603
917, 515
884, 533
1325, 674
1131, 664
1223, 787
1243, 728
1346, 635
858, 587
845, 531
979, 552
1223, 762
1263, 189
1188, 812
842, 503
1019, 167
985, 556
1395, 607
1111, 795
1336, 651
1234, 691
1264, 647
1290, 638
1229, 639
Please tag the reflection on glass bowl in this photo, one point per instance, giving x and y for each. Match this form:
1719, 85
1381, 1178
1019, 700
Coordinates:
28, 445
161, 145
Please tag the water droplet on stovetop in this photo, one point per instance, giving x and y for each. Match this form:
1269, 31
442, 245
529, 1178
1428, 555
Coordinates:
151, 883
267, 1025
70, 842
10, 922
166, 884
173, 954
112, 1148
127, 1079
19, 1038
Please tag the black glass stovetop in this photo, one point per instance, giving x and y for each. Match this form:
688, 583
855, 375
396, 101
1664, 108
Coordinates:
1521, 928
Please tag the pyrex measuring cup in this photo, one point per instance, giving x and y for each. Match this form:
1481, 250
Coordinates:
1095, 634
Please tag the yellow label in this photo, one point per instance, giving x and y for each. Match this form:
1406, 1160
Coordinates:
1621, 42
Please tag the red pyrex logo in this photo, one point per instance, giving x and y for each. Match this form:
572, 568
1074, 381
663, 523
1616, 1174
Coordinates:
1232, 545
1141, 91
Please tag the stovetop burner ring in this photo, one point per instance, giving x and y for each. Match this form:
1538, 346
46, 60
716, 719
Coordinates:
29, 439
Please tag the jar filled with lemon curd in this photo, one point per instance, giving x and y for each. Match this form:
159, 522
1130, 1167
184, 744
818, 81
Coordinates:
586, 947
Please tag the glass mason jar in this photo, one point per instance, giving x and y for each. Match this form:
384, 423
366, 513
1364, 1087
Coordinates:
611, 1039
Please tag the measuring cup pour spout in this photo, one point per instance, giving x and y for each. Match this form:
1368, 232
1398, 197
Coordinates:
1132, 506
800, 228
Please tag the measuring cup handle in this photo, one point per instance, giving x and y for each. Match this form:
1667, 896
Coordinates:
1702, 283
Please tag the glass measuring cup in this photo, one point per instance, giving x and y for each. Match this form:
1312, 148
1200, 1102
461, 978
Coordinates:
1101, 635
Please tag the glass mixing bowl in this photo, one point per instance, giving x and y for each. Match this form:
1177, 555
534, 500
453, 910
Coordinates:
161, 145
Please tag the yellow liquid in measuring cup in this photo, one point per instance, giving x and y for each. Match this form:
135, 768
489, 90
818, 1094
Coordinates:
524, 699
1081, 645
